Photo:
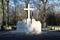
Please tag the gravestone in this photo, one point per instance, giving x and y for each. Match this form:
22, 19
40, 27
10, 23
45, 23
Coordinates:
33, 27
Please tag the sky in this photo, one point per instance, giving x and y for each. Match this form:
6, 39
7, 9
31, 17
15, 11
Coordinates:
50, 2
57, 8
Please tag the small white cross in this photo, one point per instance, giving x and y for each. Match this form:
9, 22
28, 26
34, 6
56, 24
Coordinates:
29, 10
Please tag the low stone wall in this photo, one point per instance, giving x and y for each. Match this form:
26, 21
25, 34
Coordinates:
55, 28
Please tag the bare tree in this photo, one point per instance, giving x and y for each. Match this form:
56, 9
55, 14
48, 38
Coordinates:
42, 13
7, 12
4, 13
44, 2
15, 16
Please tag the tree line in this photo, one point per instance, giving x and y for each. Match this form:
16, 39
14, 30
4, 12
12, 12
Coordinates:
44, 11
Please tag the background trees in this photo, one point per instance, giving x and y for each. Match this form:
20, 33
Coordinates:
11, 10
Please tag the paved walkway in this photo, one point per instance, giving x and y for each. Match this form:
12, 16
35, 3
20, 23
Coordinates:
12, 35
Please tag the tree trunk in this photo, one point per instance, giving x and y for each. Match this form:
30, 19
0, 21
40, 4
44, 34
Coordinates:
4, 14
44, 13
8, 12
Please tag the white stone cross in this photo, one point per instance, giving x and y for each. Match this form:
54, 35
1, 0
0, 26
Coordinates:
29, 10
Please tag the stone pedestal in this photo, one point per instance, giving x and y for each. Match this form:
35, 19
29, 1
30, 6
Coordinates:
22, 27
36, 26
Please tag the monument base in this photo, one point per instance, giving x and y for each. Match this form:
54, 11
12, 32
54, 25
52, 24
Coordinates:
28, 21
36, 26
29, 28
22, 27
